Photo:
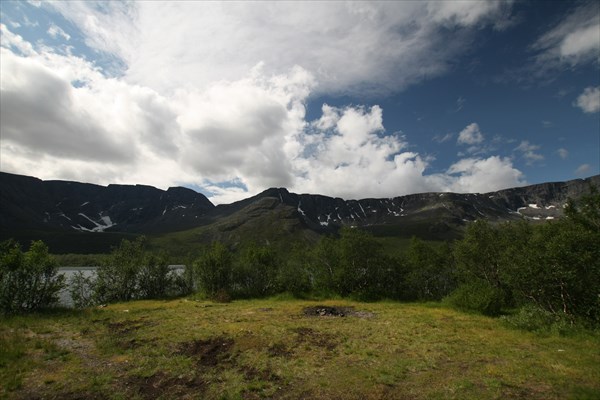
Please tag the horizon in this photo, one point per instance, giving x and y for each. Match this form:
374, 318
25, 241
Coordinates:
339, 99
292, 192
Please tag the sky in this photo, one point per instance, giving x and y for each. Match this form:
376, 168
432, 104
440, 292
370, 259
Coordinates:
351, 100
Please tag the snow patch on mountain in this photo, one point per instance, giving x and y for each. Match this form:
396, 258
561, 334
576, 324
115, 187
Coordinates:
300, 210
99, 227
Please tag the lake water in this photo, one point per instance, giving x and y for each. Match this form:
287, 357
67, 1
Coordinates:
65, 299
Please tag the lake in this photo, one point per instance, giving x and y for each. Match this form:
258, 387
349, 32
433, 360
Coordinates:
65, 299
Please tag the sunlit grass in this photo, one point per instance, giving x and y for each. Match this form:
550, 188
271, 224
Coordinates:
270, 349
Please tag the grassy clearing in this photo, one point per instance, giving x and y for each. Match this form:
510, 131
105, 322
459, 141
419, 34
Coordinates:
271, 349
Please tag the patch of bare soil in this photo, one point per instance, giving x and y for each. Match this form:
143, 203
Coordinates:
217, 354
251, 373
279, 350
162, 384
209, 352
330, 311
30, 395
127, 326
123, 330
315, 338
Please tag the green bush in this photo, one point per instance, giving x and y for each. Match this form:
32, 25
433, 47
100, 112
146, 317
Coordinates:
81, 289
213, 271
28, 281
255, 272
430, 271
130, 272
535, 319
117, 277
154, 278
294, 277
477, 296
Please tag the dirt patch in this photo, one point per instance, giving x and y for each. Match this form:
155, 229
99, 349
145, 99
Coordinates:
30, 395
162, 384
129, 344
251, 373
315, 338
208, 353
330, 311
327, 311
279, 350
121, 333
127, 326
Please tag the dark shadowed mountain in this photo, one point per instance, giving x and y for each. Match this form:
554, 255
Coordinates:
80, 217
30, 203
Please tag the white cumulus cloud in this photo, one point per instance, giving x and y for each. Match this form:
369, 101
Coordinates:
221, 96
589, 100
484, 175
470, 135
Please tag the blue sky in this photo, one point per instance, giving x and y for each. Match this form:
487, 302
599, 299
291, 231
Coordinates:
344, 99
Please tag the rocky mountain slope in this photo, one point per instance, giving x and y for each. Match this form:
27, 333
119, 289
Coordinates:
30, 203
30, 206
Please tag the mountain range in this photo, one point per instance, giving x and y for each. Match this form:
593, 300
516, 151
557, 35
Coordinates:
80, 217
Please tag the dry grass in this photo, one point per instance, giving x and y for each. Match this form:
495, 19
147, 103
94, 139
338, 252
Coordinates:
273, 349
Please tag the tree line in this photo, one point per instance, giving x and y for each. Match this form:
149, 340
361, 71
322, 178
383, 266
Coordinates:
549, 270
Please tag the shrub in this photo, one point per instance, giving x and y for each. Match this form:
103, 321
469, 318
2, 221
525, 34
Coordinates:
255, 272
118, 276
294, 277
182, 284
28, 281
129, 272
477, 296
430, 271
214, 270
535, 319
81, 289
154, 278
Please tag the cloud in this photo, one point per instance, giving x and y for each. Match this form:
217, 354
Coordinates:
64, 118
589, 100
563, 153
16, 42
468, 13
349, 155
42, 111
228, 195
460, 103
470, 135
476, 175
55, 31
204, 42
442, 139
575, 40
242, 128
100, 124
583, 169
528, 152
353, 157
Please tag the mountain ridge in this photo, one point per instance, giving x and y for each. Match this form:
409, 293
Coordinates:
32, 207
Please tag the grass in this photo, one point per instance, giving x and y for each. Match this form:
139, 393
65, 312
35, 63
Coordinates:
271, 349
